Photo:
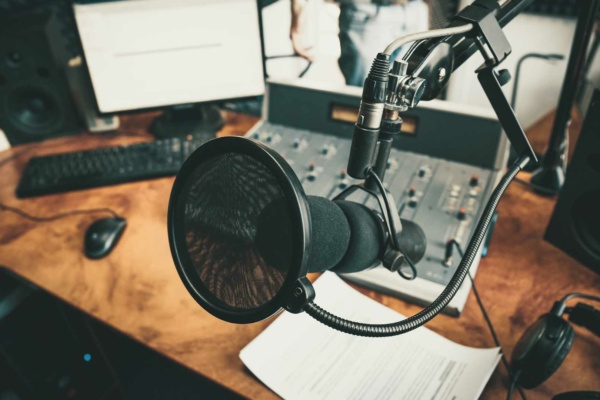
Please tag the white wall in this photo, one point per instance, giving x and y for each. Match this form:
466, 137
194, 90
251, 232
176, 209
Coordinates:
322, 33
540, 81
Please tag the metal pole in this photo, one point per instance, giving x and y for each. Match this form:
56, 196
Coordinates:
549, 178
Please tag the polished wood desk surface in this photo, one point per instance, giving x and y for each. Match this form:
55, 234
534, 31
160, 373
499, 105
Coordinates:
137, 290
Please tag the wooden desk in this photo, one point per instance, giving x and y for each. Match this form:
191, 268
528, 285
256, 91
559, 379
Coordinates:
137, 291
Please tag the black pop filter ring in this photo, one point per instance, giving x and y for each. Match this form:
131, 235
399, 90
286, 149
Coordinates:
299, 212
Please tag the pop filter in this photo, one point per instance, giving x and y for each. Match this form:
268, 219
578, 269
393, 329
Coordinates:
217, 199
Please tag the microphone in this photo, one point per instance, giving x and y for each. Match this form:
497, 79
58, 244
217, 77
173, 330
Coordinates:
347, 237
370, 113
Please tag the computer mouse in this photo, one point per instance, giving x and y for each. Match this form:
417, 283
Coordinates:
102, 236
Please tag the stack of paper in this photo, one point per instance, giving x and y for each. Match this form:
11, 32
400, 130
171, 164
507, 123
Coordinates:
299, 358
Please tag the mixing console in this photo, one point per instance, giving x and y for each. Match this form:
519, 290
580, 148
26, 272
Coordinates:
432, 192
445, 197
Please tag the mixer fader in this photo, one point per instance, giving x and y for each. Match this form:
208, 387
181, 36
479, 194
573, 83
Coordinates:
444, 195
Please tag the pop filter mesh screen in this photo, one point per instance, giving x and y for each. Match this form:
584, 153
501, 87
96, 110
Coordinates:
223, 199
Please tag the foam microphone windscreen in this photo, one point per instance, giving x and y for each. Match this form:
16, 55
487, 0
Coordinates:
330, 234
367, 239
346, 237
413, 241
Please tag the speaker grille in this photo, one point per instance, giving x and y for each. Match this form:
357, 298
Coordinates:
35, 98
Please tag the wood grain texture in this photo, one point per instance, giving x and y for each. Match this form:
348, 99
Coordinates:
136, 288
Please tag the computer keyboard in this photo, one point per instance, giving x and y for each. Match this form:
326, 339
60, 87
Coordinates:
106, 166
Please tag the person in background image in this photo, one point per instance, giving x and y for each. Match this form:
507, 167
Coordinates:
366, 28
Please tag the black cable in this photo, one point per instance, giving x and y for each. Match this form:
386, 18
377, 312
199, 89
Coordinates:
579, 296
489, 323
12, 157
419, 319
559, 307
523, 182
302, 73
51, 218
372, 174
511, 389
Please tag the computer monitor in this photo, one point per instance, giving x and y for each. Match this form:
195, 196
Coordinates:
181, 54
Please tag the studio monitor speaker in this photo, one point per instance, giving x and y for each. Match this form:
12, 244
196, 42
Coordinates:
575, 224
35, 101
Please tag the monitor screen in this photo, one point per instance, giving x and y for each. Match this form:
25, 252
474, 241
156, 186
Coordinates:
154, 53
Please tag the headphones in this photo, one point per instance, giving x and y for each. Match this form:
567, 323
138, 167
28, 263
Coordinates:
545, 344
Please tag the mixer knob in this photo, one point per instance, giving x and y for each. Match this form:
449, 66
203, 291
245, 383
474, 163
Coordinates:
311, 166
269, 138
343, 174
413, 203
474, 181
343, 184
422, 172
462, 214
391, 164
311, 177
255, 135
299, 144
412, 191
328, 150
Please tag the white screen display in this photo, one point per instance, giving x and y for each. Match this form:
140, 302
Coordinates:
153, 53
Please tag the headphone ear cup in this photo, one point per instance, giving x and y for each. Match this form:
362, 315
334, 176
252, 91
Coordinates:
541, 350
562, 350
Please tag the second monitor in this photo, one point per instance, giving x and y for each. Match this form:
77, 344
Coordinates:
172, 53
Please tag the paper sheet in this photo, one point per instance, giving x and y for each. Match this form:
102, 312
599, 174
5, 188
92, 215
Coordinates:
299, 358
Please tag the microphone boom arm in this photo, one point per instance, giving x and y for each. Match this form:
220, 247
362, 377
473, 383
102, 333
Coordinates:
486, 35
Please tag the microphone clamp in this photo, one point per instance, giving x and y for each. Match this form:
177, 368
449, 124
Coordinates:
404, 91
393, 257
302, 294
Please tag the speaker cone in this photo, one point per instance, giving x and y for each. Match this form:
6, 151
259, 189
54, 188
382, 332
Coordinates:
34, 110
